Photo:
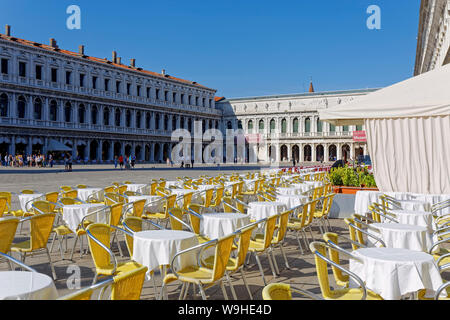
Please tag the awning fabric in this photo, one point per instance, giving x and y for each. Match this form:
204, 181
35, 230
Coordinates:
54, 145
408, 132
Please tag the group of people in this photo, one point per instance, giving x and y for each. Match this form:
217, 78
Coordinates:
127, 162
19, 161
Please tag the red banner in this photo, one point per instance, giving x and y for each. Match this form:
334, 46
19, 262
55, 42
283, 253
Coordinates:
359, 136
253, 138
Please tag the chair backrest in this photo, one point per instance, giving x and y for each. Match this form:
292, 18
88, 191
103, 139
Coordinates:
277, 291
135, 224
109, 189
113, 198
187, 198
329, 203
7, 195
222, 255
41, 226
243, 244
174, 223
219, 196
193, 219
355, 235
67, 201
227, 200
153, 187
52, 197
138, 207
3, 205
128, 285
208, 197
115, 183
101, 255
130, 193
81, 186
127, 182
41, 206
8, 227
27, 191
340, 278
170, 203
70, 194
122, 189
66, 188
269, 229
321, 268
310, 208
282, 226
116, 214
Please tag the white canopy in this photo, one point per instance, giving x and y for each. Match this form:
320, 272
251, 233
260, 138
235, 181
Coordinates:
408, 132
425, 95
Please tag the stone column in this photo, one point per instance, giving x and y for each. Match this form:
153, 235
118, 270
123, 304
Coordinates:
99, 150
313, 152
12, 146
29, 112
352, 151
338, 151
29, 149
87, 151
152, 152
46, 109
300, 153
111, 150
325, 152
289, 152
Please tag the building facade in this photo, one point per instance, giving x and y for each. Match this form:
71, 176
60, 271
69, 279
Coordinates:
99, 108
433, 40
291, 127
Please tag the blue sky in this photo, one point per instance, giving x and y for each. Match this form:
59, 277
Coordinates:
239, 47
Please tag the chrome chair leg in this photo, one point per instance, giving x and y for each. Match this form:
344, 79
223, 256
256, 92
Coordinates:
245, 283
260, 268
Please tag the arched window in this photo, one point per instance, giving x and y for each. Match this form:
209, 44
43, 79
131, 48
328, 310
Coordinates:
94, 114
283, 126
261, 126
272, 126
307, 125
117, 117
239, 124
295, 125
319, 125
53, 111
345, 128
229, 125
68, 112
37, 114
128, 118
332, 128
106, 116
250, 126
359, 128
81, 113
174, 122
166, 122
3, 105
21, 107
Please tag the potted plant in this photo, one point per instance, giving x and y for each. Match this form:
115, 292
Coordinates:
347, 180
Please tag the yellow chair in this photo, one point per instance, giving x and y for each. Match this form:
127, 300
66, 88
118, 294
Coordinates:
284, 291
262, 243
41, 226
8, 210
299, 224
3, 206
153, 187
200, 275
340, 278
41, 206
128, 285
130, 193
99, 237
109, 189
113, 198
128, 182
134, 224
73, 194
321, 260
121, 189
279, 236
164, 215
27, 191
187, 198
52, 198
357, 233
8, 227
81, 186
66, 201
137, 208
194, 219
66, 188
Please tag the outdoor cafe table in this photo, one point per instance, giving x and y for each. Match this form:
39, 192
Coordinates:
27, 199
292, 201
151, 202
402, 236
290, 190
416, 218
217, 225
140, 187
74, 213
154, 248
263, 209
25, 285
85, 193
393, 272
196, 198
304, 187
415, 205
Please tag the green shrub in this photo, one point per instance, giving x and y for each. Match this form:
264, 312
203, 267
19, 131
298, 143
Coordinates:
350, 177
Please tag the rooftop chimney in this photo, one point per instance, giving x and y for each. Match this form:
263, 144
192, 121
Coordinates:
81, 50
114, 57
8, 30
119, 60
163, 72
53, 43
133, 63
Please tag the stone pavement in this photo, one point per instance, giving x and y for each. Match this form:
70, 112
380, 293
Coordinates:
302, 267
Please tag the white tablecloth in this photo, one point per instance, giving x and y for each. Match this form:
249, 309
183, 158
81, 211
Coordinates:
217, 225
290, 191
153, 248
433, 199
303, 186
415, 205
393, 272
151, 202
140, 188
173, 183
27, 198
416, 218
263, 209
24, 285
292, 201
73, 214
196, 198
85, 193
403, 236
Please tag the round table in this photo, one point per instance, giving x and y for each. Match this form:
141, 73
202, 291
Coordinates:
263, 209
290, 191
140, 187
154, 248
26, 200
403, 236
217, 225
303, 186
85, 193
415, 205
196, 198
74, 213
416, 218
25, 285
393, 273
173, 183
292, 201
151, 202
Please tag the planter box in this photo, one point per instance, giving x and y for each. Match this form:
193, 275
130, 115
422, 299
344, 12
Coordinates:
351, 190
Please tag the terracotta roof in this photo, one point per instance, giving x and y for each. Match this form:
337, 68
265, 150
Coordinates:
106, 61
216, 99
